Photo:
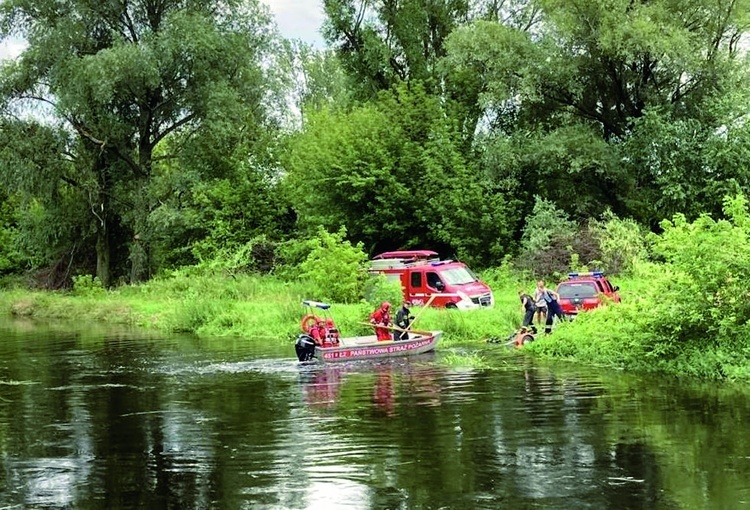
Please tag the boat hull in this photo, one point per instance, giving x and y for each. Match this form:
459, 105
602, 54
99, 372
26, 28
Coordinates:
368, 347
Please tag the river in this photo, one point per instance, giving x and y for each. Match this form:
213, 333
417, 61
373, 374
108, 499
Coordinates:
95, 418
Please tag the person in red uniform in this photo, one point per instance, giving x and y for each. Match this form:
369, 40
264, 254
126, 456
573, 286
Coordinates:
381, 319
317, 331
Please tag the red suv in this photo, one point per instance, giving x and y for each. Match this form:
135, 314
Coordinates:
585, 291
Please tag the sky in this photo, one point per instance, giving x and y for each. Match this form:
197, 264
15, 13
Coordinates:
297, 19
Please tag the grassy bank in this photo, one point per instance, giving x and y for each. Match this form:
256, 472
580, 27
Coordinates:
242, 305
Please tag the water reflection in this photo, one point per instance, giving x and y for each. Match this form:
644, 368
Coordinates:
321, 385
118, 420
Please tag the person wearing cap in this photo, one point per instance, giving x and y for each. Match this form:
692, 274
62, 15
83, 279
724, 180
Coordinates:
403, 320
381, 319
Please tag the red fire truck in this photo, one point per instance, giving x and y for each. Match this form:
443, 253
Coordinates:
423, 275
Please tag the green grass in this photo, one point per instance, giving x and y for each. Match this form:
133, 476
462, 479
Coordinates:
239, 306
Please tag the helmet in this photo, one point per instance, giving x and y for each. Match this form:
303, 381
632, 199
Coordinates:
386, 305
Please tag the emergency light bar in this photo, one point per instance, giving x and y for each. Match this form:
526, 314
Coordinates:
316, 304
441, 262
595, 274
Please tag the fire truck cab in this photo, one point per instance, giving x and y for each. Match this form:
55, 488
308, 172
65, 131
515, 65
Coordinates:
423, 275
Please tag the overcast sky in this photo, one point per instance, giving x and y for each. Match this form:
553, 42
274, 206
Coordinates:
297, 19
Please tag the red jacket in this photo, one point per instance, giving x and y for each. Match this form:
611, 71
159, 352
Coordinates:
381, 316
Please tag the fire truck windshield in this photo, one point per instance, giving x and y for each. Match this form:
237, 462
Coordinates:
458, 276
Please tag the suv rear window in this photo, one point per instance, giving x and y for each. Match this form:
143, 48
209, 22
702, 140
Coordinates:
577, 290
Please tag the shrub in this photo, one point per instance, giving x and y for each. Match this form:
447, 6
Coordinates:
87, 285
622, 242
546, 236
692, 316
289, 257
379, 288
545, 223
335, 267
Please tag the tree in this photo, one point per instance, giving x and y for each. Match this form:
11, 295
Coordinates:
383, 43
561, 101
51, 194
392, 172
124, 77
318, 78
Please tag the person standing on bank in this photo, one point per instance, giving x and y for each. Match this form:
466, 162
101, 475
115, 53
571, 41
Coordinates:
527, 307
540, 303
550, 297
403, 320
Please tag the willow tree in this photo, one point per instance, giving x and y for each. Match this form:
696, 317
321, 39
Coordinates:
562, 100
122, 77
382, 44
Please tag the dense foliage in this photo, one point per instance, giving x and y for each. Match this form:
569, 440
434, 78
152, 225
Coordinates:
178, 132
691, 315
123, 87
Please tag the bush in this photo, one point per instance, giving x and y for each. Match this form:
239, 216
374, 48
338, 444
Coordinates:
256, 255
379, 288
622, 242
691, 318
552, 245
289, 257
87, 285
336, 268
545, 223
545, 238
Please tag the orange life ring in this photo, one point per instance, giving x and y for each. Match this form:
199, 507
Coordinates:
308, 321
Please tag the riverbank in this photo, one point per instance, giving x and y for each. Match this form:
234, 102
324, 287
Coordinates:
630, 336
241, 306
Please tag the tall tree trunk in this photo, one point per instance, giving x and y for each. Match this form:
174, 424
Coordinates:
140, 263
139, 249
103, 255
100, 209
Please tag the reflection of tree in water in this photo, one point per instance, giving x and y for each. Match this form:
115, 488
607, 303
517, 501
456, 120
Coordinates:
138, 423
640, 482
527, 438
540, 438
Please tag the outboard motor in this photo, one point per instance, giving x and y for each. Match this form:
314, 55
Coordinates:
305, 347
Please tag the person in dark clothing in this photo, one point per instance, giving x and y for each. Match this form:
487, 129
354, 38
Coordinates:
553, 307
403, 320
527, 306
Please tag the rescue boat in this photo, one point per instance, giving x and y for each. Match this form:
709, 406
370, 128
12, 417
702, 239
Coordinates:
320, 340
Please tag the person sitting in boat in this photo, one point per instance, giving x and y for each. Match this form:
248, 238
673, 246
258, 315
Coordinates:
332, 334
403, 320
317, 331
381, 319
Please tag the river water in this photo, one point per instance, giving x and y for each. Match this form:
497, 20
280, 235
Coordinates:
103, 419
